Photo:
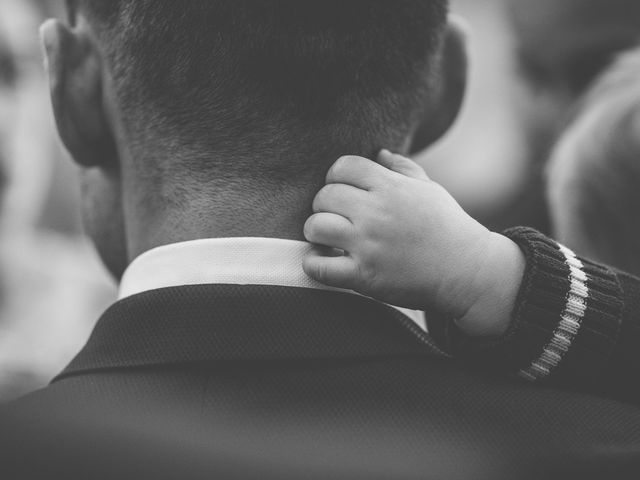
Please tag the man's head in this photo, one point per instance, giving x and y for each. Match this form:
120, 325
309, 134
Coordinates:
220, 117
561, 46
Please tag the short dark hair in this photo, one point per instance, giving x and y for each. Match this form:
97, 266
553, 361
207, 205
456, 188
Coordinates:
319, 76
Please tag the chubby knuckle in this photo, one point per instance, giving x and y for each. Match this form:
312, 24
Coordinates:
397, 182
385, 186
320, 198
380, 203
317, 200
320, 271
310, 227
396, 163
349, 160
366, 252
329, 191
339, 166
348, 232
366, 219
326, 197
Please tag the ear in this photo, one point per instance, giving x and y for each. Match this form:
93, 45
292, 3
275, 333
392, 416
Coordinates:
74, 67
448, 94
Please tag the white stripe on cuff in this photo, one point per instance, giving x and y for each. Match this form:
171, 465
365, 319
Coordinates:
570, 323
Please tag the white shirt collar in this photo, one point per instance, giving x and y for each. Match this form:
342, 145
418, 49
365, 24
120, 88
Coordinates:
240, 261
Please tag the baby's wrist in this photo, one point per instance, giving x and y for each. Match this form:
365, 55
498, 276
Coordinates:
494, 289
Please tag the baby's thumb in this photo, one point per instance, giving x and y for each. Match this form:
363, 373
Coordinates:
401, 165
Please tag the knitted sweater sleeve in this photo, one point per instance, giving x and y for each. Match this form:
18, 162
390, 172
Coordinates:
576, 324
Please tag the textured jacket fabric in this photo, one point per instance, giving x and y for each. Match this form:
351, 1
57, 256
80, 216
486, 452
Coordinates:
576, 325
229, 381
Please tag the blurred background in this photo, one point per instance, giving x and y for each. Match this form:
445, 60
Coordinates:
530, 62
52, 287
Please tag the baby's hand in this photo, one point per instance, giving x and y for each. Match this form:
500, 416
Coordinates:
407, 242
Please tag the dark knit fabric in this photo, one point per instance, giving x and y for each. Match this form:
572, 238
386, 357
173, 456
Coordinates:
591, 352
598, 353
540, 302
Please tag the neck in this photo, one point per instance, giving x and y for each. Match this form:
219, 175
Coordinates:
215, 212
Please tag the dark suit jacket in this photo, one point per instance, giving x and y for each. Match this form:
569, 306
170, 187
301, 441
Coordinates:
225, 381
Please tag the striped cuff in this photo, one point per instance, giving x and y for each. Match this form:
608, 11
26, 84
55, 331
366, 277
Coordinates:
565, 325
571, 320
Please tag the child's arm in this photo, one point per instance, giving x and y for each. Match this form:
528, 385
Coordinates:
523, 304
410, 244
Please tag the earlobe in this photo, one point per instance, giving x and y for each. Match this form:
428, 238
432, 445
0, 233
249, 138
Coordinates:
75, 77
449, 93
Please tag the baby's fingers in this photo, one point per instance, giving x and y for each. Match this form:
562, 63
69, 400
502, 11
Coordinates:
356, 171
401, 164
330, 230
340, 272
340, 199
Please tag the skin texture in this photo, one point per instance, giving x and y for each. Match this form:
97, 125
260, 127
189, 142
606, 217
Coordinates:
129, 198
407, 242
